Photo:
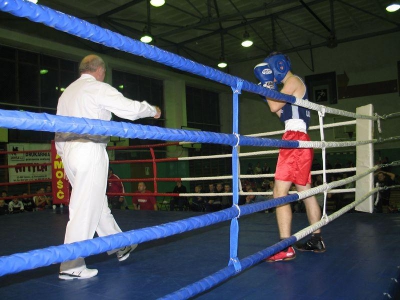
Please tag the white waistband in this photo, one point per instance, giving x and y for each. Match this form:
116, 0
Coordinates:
296, 125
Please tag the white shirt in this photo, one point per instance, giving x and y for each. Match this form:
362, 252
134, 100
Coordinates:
88, 98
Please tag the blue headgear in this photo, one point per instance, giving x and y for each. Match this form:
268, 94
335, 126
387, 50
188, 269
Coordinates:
280, 64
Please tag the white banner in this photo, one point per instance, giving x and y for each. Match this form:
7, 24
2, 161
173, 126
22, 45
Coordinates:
28, 166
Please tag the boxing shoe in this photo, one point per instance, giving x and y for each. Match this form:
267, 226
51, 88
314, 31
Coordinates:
84, 274
123, 253
284, 255
314, 244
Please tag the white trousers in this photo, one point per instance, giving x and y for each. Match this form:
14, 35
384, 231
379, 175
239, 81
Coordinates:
86, 166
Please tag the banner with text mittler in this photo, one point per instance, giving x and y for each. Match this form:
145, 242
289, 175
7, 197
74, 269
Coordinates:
30, 161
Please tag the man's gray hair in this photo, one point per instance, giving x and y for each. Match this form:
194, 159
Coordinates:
90, 64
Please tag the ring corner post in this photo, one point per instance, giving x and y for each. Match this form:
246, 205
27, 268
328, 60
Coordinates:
365, 158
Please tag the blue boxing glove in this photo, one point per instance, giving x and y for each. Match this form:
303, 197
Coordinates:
265, 75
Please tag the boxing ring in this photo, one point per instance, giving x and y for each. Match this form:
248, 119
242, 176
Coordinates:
209, 284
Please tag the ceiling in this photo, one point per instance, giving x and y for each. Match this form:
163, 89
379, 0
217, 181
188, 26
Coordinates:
205, 30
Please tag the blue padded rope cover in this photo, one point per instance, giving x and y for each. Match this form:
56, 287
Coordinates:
234, 230
222, 275
44, 257
96, 34
45, 122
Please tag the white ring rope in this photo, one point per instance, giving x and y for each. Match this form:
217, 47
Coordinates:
333, 191
328, 186
315, 144
315, 127
271, 175
228, 155
334, 111
326, 219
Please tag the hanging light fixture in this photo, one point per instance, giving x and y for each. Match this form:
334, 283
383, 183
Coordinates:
246, 40
157, 3
146, 37
393, 6
222, 62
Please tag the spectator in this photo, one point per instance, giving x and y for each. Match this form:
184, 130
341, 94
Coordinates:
212, 203
265, 169
253, 198
245, 187
338, 165
144, 202
3, 207
29, 204
15, 206
226, 201
49, 194
318, 180
41, 201
198, 203
257, 169
115, 186
181, 201
4, 195
250, 169
382, 179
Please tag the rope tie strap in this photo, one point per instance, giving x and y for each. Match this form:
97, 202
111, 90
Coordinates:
236, 264
378, 123
321, 113
237, 139
238, 208
238, 88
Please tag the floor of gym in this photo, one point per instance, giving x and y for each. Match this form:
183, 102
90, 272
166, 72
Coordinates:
361, 261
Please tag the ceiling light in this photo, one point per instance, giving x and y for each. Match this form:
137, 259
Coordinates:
146, 37
393, 6
222, 62
157, 3
246, 40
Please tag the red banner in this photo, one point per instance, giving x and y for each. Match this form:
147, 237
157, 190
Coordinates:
60, 185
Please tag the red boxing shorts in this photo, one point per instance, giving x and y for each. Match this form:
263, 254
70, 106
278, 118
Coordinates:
294, 165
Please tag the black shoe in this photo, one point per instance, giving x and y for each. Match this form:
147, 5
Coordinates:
313, 244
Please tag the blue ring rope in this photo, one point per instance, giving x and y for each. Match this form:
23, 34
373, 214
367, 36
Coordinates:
44, 257
83, 29
46, 122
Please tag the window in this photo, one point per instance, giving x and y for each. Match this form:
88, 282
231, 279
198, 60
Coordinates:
140, 88
202, 109
32, 82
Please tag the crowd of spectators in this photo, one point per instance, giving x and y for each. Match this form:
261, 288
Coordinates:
219, 197
335, 201
15, 204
